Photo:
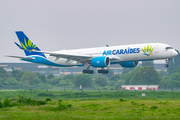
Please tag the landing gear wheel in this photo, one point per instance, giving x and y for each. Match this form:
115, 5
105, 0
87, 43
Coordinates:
106, 71
99, 71
84, 71
166, 65
91, 71
103, 71
88, 71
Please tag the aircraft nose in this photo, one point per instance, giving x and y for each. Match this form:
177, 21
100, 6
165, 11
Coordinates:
174, 53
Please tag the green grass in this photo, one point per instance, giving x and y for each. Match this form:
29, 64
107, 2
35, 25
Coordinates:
130, 105
97, 109
91, 94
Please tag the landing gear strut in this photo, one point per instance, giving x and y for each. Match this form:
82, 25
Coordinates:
103, 71
166, 65
87, 70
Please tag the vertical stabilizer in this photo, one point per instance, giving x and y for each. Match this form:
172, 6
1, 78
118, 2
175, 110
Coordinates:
26, 43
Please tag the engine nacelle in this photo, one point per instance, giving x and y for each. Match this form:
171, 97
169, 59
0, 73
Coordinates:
101, 61
130, 64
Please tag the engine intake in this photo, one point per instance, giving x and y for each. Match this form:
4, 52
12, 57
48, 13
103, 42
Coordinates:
101, 61
130, 64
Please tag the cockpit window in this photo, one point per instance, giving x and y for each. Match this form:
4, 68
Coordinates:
168, 48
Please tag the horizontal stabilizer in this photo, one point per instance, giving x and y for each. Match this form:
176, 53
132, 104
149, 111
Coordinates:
18, 45
27, 58
23, 48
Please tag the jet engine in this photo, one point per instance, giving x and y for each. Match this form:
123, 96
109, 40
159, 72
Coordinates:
102, 61
129, 64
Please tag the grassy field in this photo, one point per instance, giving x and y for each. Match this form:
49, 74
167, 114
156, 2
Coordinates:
96, 109
92, 94
92, 104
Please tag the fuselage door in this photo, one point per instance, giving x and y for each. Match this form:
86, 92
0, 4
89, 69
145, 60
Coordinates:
156, 49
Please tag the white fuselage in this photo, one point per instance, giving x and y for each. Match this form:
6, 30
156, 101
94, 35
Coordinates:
100, 57
123, 53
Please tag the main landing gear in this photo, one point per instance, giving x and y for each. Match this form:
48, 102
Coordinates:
166, 65
103, 71
87, 70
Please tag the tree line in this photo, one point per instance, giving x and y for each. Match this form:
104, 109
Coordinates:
144, 75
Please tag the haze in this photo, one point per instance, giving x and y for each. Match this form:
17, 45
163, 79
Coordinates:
58, 24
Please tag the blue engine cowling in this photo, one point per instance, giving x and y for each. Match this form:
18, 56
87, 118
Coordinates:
130, 64
101, 61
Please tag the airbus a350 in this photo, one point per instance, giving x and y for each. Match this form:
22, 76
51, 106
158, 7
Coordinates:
99, 57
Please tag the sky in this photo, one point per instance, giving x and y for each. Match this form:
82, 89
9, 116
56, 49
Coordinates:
71, 24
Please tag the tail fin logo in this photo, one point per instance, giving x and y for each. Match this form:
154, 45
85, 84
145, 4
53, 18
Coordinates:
28, 45
148, 50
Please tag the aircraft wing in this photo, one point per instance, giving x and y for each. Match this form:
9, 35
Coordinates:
76, 57
58, 55
62, 55
85, 59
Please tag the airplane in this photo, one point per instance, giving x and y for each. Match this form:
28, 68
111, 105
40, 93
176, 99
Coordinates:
99, 57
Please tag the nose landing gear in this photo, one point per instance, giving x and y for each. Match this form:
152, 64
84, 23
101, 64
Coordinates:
166, 65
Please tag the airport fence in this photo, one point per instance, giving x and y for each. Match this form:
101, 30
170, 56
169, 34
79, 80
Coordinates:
92, 94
